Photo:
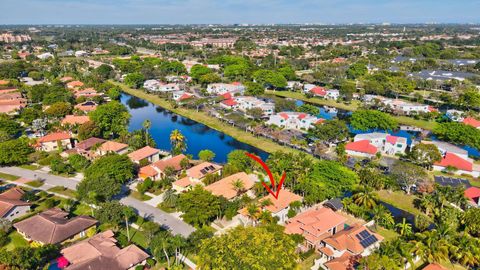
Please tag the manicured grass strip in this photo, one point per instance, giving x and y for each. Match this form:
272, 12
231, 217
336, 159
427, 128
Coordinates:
387, 234
30, 167
308, 262
35, 183
212, 122
63, 190
137, 195
9, 177
404, 120
400, 200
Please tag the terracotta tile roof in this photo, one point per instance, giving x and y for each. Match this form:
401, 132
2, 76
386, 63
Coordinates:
327, 251
111, 146
285, 197
184, 182
86, 106
472, 122
473, 194
450, 159
74, 84
392, 139
201, 170
226, 95
225, 188
229, 102
9, 90
10, 199
4, 82
101, 252
147, 171
434, 266
66, 79
362, 146
340, 263
347, 239
319, 91
53, 137
75, 119
52, 226
10, 108
143, 153
314, 222
186, 96
89, 143
173, 162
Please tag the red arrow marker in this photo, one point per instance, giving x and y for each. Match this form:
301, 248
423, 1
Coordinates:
270, 175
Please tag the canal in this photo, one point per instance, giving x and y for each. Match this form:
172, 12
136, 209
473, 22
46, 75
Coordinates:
199, 136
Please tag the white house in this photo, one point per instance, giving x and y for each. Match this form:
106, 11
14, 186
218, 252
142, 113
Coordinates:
11, 204
223, 88
455, 115
245, 103
384, 142
181, 95
151, 85
293, 120
45, 56
332, 94
81, 53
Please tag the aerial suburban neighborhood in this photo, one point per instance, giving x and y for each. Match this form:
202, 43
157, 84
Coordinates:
197, 144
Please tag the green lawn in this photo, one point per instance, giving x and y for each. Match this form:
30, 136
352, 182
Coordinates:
35, 183
137, 237
9, 177
387, 234
30, 167
400, 200
82, 209
212, 122
308, 262
137, 195
63, 190
405, 120
165, 208
16, 240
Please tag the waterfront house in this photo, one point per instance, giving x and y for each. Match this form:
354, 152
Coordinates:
384, 142
54, 141
112, 147
157, 169
225, 187
11, 204
244, 103
293, 120
87, 92
88, 147
53, 226
361, 148
147, 153
151, 85
101, 252
315, 225
180, 96
195, 175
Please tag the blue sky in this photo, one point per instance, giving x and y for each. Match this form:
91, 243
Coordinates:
236, 11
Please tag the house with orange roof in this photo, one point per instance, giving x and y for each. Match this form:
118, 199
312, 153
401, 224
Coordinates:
74, 84
156, 170
195, 175
277, 207
66, 79
472, 122
55, 141
147, 153
72, 120
315, 225
86, 106
362, 148
348, 245
112, 147
87, 92
4, 82
368, 144
11, 204
88, 147
473, 195
434, 266
226, 187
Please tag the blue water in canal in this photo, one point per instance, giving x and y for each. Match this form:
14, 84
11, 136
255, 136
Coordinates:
199, 136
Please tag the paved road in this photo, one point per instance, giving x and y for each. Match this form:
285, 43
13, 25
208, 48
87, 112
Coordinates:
166, 220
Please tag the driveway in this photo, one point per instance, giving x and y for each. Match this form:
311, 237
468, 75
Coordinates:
166, 220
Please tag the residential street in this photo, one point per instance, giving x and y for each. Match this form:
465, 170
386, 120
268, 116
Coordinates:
167, 220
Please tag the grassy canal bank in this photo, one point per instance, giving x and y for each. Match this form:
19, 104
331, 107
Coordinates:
212, 122
404, 120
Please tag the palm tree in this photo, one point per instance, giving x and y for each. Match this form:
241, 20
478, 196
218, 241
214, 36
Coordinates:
404, 228
170, 198
382, 216
178, 142
427, 203
253, 212
238, 186
430, 247
365, 198
92, 199
146, 126
466, 251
